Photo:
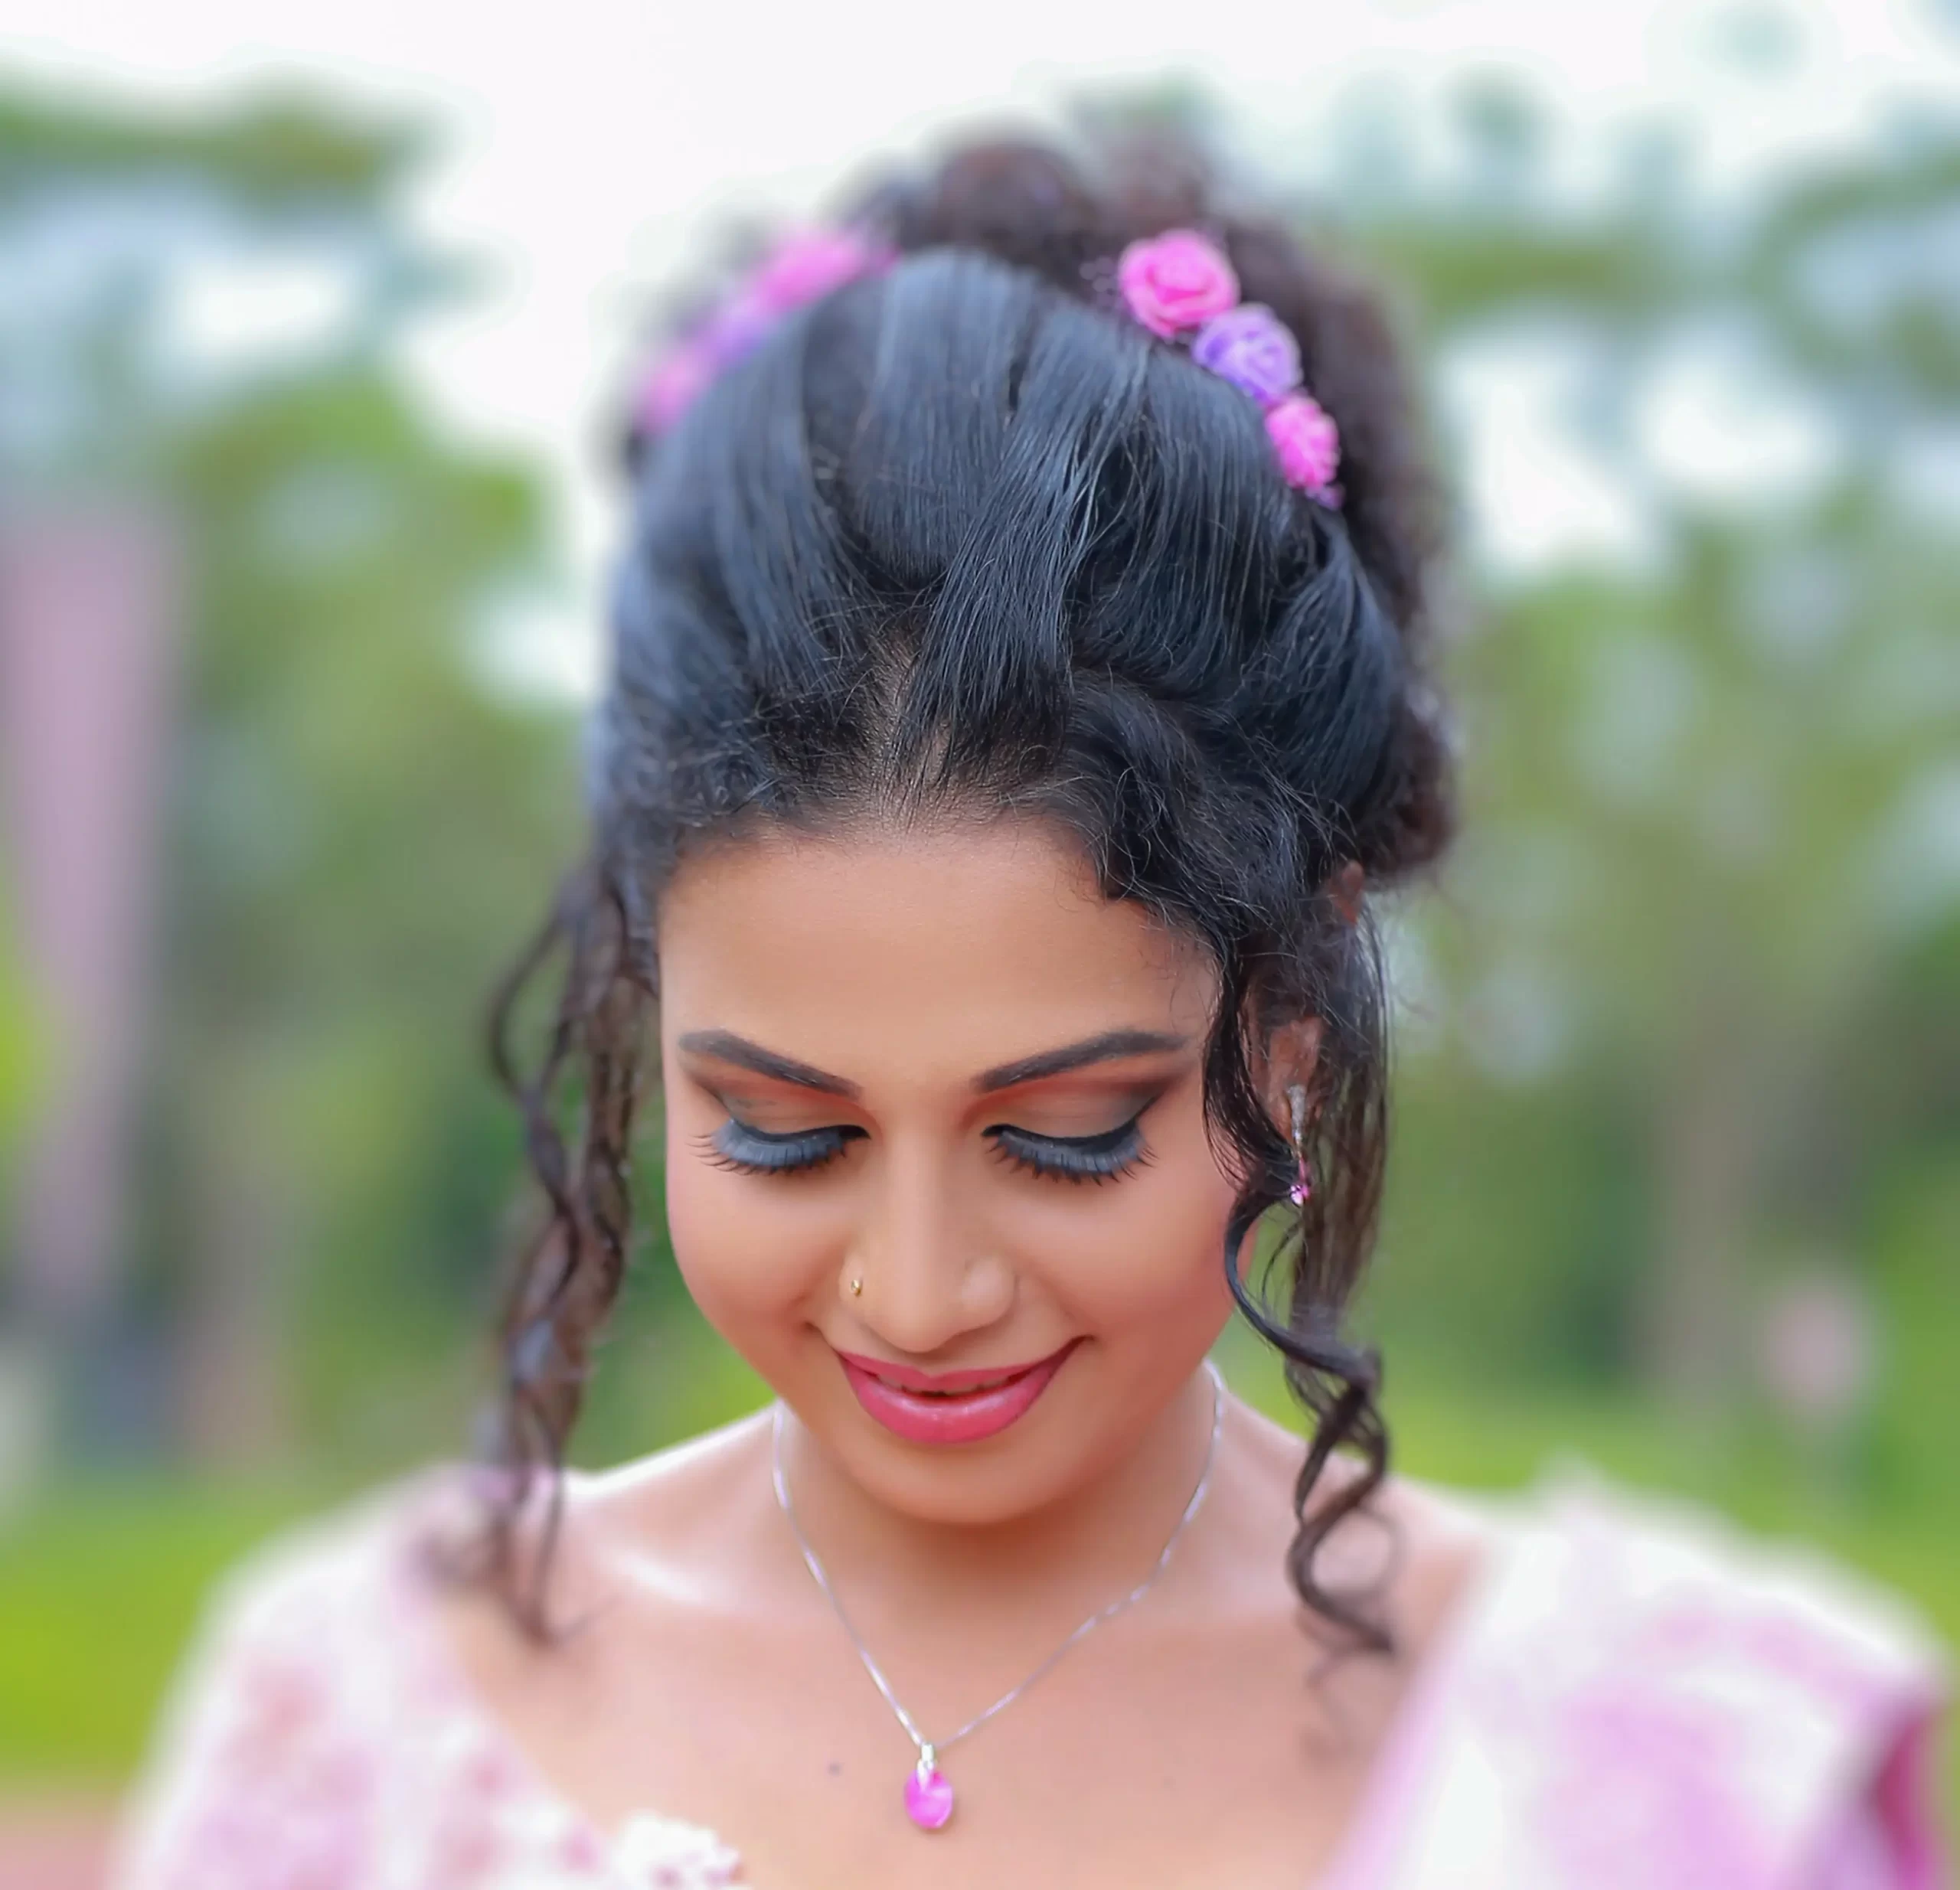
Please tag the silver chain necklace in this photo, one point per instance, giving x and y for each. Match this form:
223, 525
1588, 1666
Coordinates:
928, 1796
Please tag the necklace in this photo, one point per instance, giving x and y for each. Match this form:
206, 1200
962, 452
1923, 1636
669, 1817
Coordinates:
928, 1795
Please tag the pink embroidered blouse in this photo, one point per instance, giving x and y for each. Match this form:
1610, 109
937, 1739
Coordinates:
1632, 1696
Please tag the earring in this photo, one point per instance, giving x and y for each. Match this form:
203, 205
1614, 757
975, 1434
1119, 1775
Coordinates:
1302, 1189
857, 1286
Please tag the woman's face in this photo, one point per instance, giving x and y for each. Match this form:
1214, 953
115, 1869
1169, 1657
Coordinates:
939, 1065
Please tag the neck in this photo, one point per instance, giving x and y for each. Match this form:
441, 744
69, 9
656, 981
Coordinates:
1070, 1556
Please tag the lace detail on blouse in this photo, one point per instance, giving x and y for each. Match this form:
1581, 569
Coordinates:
1654, 1699
317, 1739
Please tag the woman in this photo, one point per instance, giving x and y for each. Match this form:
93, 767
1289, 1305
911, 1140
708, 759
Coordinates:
1018, 697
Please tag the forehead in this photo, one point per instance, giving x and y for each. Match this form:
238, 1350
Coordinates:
921, 953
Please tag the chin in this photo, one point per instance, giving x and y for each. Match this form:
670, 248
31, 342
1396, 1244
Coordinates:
963, 1489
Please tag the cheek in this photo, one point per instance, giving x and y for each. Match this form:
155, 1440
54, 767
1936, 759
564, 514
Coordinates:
1156, 1258
752, 1253
1135, 1256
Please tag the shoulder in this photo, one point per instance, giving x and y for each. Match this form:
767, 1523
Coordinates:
685, 1500
1412, 1549
1651, 1694
280, 1621
674, 1527
1647, 1587
305, 1727
636, 1566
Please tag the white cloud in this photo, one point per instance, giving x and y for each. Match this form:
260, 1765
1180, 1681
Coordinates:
1540, 491
257, 308
537, 646
1718, 422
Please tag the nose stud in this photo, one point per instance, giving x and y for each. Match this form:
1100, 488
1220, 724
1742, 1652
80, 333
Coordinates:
857, 1286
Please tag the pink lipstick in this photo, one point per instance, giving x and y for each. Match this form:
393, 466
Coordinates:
948, 1407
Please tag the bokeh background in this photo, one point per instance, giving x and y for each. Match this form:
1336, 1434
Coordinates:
311, 353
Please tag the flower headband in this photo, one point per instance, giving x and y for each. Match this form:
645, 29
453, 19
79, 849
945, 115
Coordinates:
1179, 285
802, 267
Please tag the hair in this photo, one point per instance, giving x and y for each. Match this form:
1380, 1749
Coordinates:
955, 537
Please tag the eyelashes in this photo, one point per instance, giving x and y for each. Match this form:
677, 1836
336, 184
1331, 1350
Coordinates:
752, 1151
1099, 1158
1073, 1157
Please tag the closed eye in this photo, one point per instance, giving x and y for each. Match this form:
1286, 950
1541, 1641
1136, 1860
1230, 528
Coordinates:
745, 1149
1100, 1157
753, 1152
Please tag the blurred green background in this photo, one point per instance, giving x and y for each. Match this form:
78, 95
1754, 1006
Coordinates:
1677, 1183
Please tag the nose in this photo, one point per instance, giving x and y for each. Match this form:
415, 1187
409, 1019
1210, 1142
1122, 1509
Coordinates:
929, 1274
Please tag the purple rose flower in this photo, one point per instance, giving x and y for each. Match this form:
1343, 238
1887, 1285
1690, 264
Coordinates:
1250, 347
1308, 445
737, 326
1173, 282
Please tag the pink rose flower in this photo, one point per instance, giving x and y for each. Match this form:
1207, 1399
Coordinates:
672, 383
1308, 443
809, 263
802, 268
1250, 347
1176, 281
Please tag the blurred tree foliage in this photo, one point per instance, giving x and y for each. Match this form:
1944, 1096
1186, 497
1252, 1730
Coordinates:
359, 832
1687, 1013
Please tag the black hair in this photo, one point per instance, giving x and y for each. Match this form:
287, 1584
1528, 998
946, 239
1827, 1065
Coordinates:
958, 535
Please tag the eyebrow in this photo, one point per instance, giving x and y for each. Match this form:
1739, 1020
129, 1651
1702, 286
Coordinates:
1107, 1048
725, 1046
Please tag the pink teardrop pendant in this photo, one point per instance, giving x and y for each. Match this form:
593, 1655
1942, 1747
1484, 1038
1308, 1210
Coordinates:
928, 1796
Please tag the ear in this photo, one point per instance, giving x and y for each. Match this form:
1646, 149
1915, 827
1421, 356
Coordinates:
1287, 1060
1291, 1054
1345, 887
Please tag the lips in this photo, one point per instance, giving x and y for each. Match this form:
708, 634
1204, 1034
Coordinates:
949, 1407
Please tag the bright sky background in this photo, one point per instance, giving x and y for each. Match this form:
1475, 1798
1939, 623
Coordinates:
589, 141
